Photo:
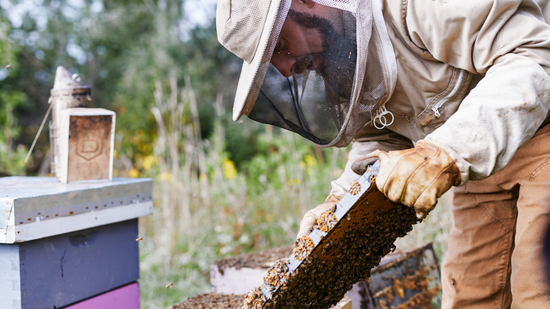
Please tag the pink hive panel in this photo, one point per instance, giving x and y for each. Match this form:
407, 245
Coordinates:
126, 297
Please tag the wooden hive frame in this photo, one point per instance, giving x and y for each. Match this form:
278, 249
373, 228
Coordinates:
231, 301
402, 278
324, 265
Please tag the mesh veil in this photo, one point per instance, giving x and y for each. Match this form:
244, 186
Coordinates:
306, 104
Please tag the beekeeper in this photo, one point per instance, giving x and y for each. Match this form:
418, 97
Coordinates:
443, 93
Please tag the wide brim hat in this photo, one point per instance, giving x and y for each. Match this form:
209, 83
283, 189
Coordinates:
249, 29
329, 103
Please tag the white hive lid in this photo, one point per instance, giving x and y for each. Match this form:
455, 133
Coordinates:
38, 207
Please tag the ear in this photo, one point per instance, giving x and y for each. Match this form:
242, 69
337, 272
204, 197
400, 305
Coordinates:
309, 3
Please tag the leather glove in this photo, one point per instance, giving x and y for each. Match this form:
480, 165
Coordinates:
311, 217
414, 177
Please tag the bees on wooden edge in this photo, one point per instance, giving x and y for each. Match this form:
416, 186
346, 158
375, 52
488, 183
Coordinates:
303, 248
279, 274
327, 221
355, 189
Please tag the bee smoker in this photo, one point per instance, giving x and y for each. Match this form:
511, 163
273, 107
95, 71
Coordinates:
67, 92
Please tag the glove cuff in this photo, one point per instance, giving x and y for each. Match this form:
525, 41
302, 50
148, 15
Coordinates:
334, 198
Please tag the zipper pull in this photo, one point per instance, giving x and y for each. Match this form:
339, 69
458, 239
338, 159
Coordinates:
435, 109
381, 118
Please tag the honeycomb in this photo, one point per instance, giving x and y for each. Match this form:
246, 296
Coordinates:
212, 301
319, 277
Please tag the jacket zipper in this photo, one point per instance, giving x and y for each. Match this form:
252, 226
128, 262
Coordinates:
436, 107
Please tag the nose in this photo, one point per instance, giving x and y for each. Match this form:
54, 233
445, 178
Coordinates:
284, 64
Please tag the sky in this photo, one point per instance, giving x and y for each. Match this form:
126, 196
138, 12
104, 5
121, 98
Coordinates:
199, 12
202, 10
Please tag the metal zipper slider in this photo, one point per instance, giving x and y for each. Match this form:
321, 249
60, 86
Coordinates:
435, 108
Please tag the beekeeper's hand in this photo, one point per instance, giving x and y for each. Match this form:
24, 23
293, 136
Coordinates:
414, 177
311, 217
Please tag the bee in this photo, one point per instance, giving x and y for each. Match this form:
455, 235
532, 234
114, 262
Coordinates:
278, 274
169, 285
327, 221
8, 66
139, 239
253, 297
355, 188
398, 288
303, 248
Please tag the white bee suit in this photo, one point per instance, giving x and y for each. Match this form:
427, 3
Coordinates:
473, 81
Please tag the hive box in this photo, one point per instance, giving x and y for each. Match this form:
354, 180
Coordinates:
404, 278
85, 142
61, 244
60, 270
227, 301
126, 297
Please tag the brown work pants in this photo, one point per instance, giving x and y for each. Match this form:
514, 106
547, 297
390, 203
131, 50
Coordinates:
495, 258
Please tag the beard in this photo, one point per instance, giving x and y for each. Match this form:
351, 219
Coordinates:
339, 54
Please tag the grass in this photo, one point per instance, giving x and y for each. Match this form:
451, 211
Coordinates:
206, 209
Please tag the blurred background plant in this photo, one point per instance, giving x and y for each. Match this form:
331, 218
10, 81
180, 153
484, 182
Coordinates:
221, 188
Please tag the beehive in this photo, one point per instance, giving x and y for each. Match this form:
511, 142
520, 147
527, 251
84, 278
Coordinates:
325, 264
231, 301
240, 274
63, 244
408, 279
417, 271
126, 297
211, 301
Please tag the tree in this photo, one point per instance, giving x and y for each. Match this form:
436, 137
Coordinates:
120, 48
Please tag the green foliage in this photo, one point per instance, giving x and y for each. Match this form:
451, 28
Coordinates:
120, 49
221, 188
7, 47
11, 156
207, 207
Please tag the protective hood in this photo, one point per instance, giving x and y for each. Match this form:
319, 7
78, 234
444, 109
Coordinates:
321, 77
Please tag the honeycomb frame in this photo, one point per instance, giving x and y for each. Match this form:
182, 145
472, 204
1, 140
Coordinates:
368, 225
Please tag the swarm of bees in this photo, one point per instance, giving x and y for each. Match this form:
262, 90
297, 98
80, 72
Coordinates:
327, 221
211, 301
355, 189
258, 259
278, 275
303, 248
255, 299
411, 281
343, 253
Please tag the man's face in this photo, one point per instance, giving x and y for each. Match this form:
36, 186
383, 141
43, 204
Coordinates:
298, 48
311, 42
